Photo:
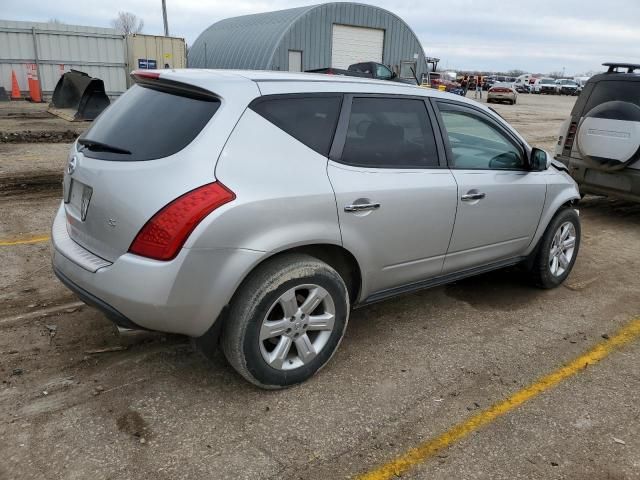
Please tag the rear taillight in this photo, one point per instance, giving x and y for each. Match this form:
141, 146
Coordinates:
571, 135
165, 233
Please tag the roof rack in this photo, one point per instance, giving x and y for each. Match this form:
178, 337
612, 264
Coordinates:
613, 67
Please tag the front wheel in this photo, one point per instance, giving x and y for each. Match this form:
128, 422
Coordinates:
557, 250
286, 321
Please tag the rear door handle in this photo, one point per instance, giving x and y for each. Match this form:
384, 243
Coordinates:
469, 197
360, 207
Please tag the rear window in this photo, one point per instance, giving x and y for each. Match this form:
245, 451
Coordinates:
147, 124
610, 90
310, 119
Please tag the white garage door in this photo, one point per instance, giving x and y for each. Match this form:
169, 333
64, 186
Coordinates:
355, 44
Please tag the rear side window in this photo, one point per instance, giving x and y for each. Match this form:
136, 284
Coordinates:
610, 90
310, 119
390, 133
147, 124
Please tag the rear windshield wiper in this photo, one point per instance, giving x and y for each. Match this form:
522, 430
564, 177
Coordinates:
101, 147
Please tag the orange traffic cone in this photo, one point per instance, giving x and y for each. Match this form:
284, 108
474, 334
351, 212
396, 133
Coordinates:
15, 89
34, 87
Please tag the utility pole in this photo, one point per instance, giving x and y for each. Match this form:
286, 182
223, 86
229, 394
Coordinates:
164, 18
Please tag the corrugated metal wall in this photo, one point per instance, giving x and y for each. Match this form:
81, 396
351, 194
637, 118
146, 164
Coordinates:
262, 41
100, 52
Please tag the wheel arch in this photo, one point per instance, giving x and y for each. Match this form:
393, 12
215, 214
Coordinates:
336, 256
558, 197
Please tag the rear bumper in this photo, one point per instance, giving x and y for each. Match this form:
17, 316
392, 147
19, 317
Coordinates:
622, 183
111, 313
185, 295
501, 97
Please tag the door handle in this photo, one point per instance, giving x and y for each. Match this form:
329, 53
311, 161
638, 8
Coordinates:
469, 197
360, 207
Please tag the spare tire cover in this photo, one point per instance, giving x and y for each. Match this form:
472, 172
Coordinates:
609, 135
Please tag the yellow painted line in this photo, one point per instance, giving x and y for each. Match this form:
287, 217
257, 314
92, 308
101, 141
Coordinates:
424, 451
24, 241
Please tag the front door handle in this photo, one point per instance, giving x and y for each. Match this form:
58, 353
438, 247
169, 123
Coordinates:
469, 197
360, 207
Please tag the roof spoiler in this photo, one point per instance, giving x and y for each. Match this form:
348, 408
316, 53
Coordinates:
613, 67
154, 80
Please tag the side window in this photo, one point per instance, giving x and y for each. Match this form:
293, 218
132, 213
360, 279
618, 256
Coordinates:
382, 72
477, 144
390, 133
311, 120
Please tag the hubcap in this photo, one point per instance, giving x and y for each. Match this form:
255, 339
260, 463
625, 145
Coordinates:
297, 327
562, 248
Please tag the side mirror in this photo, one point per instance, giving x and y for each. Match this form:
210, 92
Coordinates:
539, 160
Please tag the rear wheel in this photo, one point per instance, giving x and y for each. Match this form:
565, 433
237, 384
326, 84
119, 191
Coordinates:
557, 250
286, 321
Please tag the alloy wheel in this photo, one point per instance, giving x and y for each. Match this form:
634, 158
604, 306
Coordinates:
562, 249
297, 327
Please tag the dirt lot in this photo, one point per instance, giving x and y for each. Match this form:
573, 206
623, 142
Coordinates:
407, 370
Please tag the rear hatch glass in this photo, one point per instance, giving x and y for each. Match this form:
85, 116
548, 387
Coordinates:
147, 123
116, 185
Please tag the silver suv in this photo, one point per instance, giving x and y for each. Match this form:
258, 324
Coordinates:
255, 209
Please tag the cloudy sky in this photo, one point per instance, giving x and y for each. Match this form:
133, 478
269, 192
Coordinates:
531, 35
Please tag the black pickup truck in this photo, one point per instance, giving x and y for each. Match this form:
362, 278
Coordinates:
366, 70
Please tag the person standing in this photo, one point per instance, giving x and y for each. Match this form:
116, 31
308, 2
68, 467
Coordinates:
478, 92
464, 84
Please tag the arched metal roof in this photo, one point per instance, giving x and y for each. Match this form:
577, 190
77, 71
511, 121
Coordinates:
247, 42
260, 41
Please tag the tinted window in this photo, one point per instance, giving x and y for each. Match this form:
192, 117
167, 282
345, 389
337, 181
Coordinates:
149, 124
609, 90
382, 72
390, 133
476, 144
311, 120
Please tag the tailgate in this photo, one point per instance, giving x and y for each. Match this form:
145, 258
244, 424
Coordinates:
155, 143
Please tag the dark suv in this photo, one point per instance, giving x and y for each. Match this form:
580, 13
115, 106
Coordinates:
600, 142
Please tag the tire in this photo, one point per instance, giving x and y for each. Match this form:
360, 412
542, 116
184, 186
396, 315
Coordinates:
259, 302
542, 267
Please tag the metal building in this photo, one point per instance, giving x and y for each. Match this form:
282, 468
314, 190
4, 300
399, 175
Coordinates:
154, 51
305, 38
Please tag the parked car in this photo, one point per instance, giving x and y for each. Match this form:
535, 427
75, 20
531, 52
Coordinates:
521, 87
502, 92
204, 203
375, 70
441, 82
522, 83
600, 141
566, 86
546, 86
